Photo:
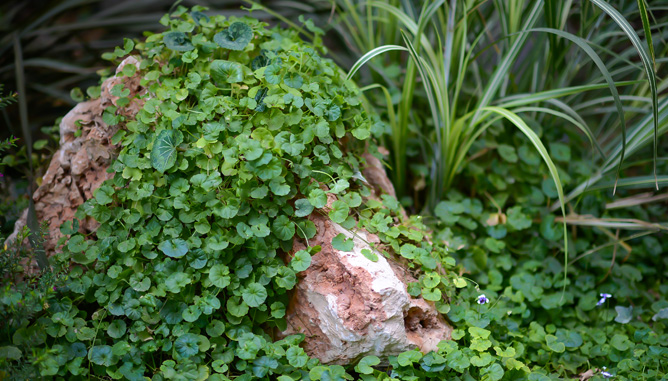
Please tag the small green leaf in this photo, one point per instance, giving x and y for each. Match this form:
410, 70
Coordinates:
662, 314
431, 280
116, 329
283, 228
408, 358
301, 261
187, 345
366, 363
342, 244
303, 207
219, 275
293, 80
554, 344
226, 71
339, 212
10, 352
101, 355
624, 314
254, 294
432, 294
236, 37
317, 198
459, 282
177, 41
483, 359
164, 152
175, 248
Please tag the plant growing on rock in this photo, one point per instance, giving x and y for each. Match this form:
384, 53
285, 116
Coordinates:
237, 134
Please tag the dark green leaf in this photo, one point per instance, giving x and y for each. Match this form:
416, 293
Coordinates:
236, 37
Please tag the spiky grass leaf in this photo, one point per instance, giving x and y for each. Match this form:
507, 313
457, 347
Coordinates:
646, 61
536, 142
370, 55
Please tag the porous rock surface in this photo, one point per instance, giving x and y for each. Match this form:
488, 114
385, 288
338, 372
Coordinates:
347, 305
80, 165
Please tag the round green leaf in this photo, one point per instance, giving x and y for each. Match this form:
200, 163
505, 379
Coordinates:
624, 314
226, 72
317, 198
236, 37
342, 244
101, 355
237, 307
191, 314
301, 261
366, 363
116, 329
431, 280
283, 228
293, 80
254, 294
219, 275
303, 207
177, 41
432, 294
164, 153
339, 212
215, 328
10, 352
175, 248
198, 17
187, 345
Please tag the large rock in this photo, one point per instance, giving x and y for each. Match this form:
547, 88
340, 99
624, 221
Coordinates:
349, 307
80, 165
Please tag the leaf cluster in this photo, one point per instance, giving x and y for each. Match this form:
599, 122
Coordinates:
243, 132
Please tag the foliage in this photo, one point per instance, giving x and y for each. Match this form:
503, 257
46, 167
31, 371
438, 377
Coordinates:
185, 277
5, 145
465, 54
61, 44
6, 100
23, 296
531, 329
239, 139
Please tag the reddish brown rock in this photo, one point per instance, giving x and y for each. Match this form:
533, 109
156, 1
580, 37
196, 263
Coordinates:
80, 164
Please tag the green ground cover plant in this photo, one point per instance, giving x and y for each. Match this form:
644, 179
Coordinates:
185, 278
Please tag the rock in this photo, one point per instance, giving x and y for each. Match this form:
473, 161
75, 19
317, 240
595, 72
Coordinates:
376, 176
80, 164
349, 307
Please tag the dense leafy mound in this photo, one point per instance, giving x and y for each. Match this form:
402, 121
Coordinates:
243, 134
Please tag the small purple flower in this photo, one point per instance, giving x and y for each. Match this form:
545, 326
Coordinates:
482, 299
605, 373
55, 288
604, 297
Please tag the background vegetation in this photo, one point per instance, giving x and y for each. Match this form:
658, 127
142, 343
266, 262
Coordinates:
490, 109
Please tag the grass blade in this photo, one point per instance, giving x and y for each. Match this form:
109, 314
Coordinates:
646, 27
526, 99
370, 55
581, 126
608, 78
535, 140
647, 63
501, 72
